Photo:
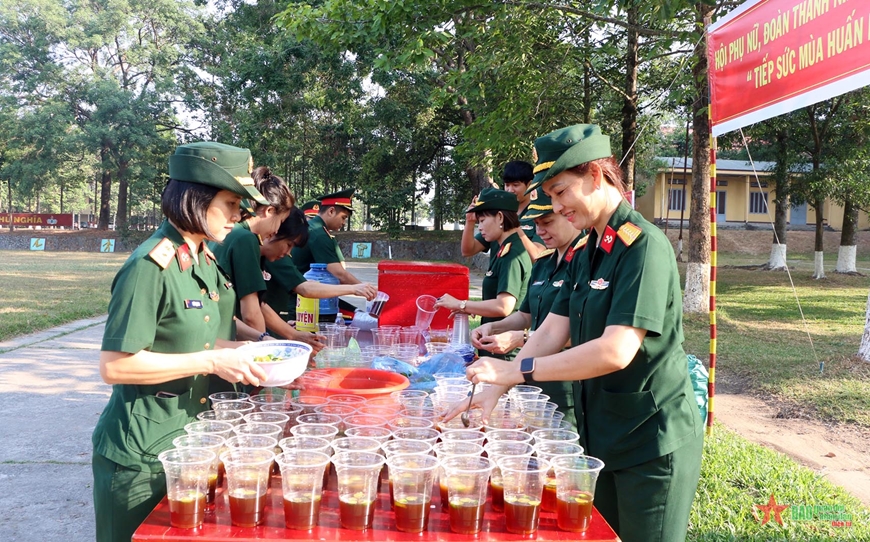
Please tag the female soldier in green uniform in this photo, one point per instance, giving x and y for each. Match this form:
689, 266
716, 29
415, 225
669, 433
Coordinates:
548, 274
168, 302
505, 284
622, 311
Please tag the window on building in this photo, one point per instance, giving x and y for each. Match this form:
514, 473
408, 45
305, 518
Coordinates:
676, 199
758, 203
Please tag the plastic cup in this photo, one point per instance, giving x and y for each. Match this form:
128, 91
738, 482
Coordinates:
187, 478
467, 435
466, 480
576, 477
408, 422
405, 446
275, 418
215, 445
523, 481
384, 341
308, 402
442, 451
302, 482
440, 335
358, 479
268, 397
497, 435
364, 420
376, 306
229, 416
497, 451
407, 352
320, 430
319, 418
260, 429
314, 444
411, 479
222, 396
221, 429
475, 419
461, 332
355, 444
436, 348
263, 442
346, 399
382, 411
342, 411
548, 450
244, 407
429, 436
248, 471
555, 435
425, 311
380, 434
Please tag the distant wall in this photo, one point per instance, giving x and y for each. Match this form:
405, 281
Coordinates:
89, 241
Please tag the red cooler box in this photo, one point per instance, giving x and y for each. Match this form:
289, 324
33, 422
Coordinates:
405, 281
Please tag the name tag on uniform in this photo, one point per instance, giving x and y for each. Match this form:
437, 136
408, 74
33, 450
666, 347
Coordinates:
192, 304
537, 283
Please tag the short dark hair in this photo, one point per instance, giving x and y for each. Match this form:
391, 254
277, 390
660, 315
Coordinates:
274, 189
511, 219
186, 204
294, 228
518, 172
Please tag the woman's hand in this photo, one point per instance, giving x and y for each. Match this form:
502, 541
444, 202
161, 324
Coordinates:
486, 400
234, 367
365, 290
495, 371
501, 343
317, 342
480, 332
448, 302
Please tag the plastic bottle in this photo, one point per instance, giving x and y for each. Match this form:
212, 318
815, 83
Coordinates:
328, 305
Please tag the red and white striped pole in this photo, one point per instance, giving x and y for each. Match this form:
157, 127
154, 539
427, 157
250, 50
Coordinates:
711, 383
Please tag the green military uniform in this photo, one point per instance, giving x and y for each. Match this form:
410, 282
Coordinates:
239, 256
548, 274
642, 420
320, 248
509, 272
140, 421
282, 277
165, 299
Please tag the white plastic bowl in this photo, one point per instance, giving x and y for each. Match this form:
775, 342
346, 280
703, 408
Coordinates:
292, 363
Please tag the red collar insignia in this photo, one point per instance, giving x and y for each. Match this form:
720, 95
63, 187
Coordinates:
185, 260
607, 239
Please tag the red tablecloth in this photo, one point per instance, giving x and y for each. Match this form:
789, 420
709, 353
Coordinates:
218, 528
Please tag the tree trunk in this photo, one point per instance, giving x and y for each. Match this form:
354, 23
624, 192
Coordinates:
697, 293
105, 189
864, 349
819, 260
9, 202
121, 222
629, 103
848, 240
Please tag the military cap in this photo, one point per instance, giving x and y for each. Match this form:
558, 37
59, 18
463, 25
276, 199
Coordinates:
495, 200
566, 148
341, 198
311, 208
540, 205
218, 165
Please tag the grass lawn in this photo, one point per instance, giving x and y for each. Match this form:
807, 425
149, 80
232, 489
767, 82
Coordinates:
46, 289
763, 341
736, 475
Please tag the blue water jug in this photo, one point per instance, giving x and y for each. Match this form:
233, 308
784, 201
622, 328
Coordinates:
328, 305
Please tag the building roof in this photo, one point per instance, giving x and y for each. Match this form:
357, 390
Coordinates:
762, 168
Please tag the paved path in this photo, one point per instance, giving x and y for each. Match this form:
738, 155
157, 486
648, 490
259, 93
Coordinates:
51, 395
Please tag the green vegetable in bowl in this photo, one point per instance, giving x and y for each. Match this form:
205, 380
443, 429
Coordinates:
268, 358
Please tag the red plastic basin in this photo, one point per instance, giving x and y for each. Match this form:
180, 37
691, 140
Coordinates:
367, 383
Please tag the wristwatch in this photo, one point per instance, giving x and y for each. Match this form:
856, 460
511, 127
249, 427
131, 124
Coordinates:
462, 305
527, 367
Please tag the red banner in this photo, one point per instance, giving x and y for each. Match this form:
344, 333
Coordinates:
769, 57
32, 219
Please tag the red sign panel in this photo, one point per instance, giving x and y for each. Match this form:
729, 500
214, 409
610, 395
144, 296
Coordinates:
769, 57
31, 219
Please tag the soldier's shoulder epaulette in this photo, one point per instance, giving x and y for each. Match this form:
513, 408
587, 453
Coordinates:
162, 253
581, 243
504, 250
545, 253
628, 233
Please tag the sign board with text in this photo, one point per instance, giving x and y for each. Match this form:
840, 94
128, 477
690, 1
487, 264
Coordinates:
45, 220
770, 57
